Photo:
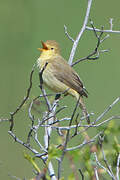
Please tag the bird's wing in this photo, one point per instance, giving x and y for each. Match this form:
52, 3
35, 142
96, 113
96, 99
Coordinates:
64, 73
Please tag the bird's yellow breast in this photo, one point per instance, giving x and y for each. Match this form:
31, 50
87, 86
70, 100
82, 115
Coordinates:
46, 56
41, 63
48, 76
58, 75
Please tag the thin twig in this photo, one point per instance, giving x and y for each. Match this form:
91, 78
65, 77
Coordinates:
51, 117
107, 110
23, 102
118, 167
41, 86
96, 173
32, 119
41, 175
92, 56
29, 112
66, 33
81, 173
46, 118
79, 146
106, 162
47, 135
14, 177
51, 171
100, 165
111, 23
36, 139
104, 31
75, 44
22, 143
80, 125
76, 129
40, 155
104, 113
58, 121
83, 144
3, 120
59, 110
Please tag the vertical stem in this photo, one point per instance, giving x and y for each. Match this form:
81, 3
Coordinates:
48, 131
75, 44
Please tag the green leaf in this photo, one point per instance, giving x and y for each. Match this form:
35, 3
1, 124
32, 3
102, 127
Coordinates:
71, 176
32, 161
116, 145
76, 155
92, 159
53, 152
110, 128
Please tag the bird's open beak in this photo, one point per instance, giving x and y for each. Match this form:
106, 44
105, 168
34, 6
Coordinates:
44, 47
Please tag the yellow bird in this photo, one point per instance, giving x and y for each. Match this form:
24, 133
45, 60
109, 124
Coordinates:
59, 76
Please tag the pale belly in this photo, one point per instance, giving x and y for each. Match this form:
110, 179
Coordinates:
51, 82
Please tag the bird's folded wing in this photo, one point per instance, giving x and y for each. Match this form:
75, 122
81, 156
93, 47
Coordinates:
64, 73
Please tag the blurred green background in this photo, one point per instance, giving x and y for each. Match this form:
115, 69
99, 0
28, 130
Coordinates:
23, 23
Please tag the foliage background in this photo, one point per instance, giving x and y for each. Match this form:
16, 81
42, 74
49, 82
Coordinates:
23, 24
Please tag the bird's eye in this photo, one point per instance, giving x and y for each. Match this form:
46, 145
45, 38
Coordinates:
52, 48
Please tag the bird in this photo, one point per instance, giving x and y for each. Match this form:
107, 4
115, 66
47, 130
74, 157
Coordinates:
59, 76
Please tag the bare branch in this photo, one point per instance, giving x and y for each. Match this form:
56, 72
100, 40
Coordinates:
59, 110
104, 31
81, 174
41, 155
100, 165
3, 120
41, 86
23, 102
79, 146
29, 112
96, 173
36, 139
50, 167
107, 36
41, 175
51, 171
14, 177
80, 125
118, 167
66, 33
22, 143
92, 56
49, 119
106, 162
47, 135
75, 44
32, 119
107, 110
76, 129
83, 144
111, 23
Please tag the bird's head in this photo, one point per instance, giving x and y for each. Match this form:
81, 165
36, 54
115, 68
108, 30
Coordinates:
50, 48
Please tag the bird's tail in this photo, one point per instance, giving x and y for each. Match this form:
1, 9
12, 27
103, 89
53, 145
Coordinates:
81, 103
84, 110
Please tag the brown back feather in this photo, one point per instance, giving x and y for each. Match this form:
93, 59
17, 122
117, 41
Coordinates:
64, 73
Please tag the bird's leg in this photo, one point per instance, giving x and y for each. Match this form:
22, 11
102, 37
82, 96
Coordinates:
57, 96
